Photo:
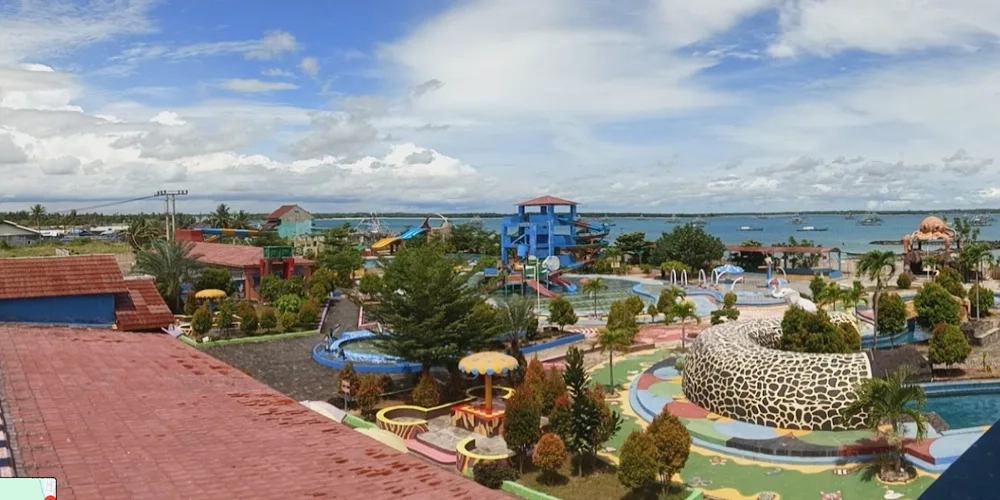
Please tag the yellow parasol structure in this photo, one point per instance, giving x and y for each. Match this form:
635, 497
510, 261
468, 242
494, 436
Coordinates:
210, 293
488, 364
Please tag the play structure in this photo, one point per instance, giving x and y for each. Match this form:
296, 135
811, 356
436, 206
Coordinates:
932, 231
213, 234
393, 243
537, 247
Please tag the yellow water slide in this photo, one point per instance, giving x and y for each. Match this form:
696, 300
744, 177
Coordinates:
384, 243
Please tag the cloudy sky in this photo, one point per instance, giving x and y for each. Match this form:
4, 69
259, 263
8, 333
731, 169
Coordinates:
651, 105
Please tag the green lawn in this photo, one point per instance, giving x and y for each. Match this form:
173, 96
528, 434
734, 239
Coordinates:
76, 247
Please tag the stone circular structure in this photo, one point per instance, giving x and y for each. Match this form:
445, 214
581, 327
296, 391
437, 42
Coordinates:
734, 370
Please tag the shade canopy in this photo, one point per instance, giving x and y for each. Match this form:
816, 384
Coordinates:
487, 363
728, 269
210, 293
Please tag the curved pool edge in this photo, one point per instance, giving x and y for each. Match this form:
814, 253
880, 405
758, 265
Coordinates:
387, 368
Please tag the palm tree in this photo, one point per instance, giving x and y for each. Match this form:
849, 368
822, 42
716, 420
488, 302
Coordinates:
851, 296
609, 341
241, 220
831, 294
171, 264
518, 314
592, 288
682, 311
221, 217
890, 401
37, 212
878, 266
140, 233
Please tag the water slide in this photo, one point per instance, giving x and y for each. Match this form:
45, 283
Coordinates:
544, 292
569, 287
384, 243
410, 233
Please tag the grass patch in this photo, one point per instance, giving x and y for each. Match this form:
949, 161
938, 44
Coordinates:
248, 340
75, 247
602, 483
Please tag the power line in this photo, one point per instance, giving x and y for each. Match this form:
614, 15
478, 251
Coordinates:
105, 205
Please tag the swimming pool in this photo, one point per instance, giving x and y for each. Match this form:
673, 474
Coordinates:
964, 405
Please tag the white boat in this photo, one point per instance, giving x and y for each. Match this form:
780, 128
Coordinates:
751, 228
812, 228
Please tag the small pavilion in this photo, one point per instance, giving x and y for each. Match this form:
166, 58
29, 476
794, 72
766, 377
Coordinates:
826, 255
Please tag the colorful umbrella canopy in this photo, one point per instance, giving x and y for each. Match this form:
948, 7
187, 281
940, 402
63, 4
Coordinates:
210, 293
487, 363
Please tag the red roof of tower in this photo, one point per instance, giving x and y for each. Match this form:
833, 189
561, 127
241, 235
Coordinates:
542, 201
38, 277
117, 415
141, 307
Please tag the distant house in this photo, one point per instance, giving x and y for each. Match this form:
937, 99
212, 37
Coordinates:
82, 290
17, 235
247, 264
289, 221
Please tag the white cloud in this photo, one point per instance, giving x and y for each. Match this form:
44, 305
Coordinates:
566, 62
277, 73
310, 66
827, 27
10, 153
254, 86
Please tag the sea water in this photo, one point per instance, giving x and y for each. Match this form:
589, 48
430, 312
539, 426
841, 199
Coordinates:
842, 233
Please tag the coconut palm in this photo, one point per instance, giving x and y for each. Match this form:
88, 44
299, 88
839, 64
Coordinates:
592, 288
831, 294
141, 232
682, 311
611, 340
517, 313
171, 264
37, 212
878, 266
221, 217
241, 220
889, 401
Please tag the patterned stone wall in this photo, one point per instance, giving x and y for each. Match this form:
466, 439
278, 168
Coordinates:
734, 370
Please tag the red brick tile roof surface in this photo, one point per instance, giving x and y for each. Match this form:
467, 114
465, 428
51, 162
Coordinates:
545, 200
141, 308
126, 416
37, 277
282, 210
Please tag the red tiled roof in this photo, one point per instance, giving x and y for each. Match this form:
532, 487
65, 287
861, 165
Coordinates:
545, 200
37, 277
116, 415
141, 308
238, 256
282, 210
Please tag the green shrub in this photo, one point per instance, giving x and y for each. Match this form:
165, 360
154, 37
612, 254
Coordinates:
309, 312
245, 308
214, 278
521, 424
268, 319
190, 303
561, 416
904, 281
948, 345
951, 281
935, 305
224, 316
493, 474
673, 443
803, 331
561, 312
367, 395
426, 393
288, 303
981, 299
201, 322
287, 322
248, 325
638, 464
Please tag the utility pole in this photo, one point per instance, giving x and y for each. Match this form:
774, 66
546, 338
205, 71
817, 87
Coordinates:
170, 210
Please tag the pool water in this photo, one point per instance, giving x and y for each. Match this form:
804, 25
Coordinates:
966, 410
366, 346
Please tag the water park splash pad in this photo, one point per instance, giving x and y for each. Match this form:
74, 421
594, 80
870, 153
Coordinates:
736, 400
358, 347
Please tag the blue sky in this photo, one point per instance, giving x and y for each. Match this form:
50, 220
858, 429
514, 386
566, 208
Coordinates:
654, 105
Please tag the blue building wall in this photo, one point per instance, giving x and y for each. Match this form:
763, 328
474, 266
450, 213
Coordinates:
293, 229
78, 310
